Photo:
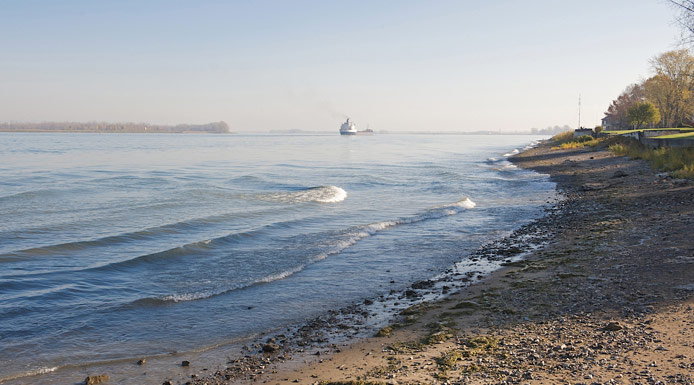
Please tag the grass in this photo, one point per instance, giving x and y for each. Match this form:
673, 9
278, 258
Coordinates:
677, 136
563, 137
678, 161
566, 140
620, 132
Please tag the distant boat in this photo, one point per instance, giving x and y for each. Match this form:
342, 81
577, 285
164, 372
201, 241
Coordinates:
348, 128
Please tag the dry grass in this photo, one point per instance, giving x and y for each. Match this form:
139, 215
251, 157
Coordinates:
566, 140
563, 137
678, 161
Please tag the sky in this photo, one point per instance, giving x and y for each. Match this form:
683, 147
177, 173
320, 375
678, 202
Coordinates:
400, 65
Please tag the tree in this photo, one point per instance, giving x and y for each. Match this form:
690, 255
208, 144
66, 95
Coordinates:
617, 111
643, 113
671, 87
685, 19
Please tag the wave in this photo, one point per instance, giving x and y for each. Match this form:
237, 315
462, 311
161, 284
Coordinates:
502, 163
184, 297
30, 373
511, 153
321, 194
345, 240
154, 233
25, 196
340, 241
532, 145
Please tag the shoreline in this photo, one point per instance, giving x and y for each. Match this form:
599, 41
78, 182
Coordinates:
329, 332
537, 291
609, 298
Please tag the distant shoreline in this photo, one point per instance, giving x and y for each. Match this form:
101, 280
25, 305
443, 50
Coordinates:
116, 128
110, 132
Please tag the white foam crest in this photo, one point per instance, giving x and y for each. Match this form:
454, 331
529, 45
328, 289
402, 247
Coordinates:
322, 194
514, 152
532, 145
190, 296
280, 275
465, 203
31, 373
211, 293
505, 166
331, 194
378, 226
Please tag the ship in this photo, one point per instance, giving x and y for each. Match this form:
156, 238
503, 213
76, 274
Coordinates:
348, 128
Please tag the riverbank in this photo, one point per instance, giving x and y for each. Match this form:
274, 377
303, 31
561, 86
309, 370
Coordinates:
609, 298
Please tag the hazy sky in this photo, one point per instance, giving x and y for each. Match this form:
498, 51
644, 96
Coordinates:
262, 65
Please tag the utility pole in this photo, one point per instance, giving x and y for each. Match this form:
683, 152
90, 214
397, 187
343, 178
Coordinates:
579, 110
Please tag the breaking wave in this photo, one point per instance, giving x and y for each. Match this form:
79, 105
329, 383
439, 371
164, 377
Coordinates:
514, 152
343, 241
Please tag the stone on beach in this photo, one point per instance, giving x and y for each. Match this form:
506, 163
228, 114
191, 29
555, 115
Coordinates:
97, 379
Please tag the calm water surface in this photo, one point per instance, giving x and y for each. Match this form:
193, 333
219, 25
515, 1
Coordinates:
117, 246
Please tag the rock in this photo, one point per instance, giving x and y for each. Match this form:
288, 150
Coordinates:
613, 326
185, 363
368, 302
94, 380
619, 174
167, 382
142, 361
410, 293
270, 348
422, 285
593, 186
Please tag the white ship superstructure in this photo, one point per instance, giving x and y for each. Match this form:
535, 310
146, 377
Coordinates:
348, 128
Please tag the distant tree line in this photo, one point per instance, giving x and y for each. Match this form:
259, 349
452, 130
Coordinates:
549, 130
216, 127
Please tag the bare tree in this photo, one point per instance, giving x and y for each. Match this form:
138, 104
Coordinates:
685, 19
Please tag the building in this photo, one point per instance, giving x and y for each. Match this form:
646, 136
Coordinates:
583, 132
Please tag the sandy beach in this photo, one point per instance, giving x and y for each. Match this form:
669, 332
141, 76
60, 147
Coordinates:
607, 299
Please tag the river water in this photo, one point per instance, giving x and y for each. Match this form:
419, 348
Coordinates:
116, 245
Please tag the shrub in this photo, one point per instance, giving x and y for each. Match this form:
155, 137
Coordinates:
563, 137
678, 161
686, 172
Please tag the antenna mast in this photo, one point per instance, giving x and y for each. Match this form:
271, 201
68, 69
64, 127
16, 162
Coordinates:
579, 110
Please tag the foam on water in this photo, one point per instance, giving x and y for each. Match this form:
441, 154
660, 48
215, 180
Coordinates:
514, 152
30, 373
322, 194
